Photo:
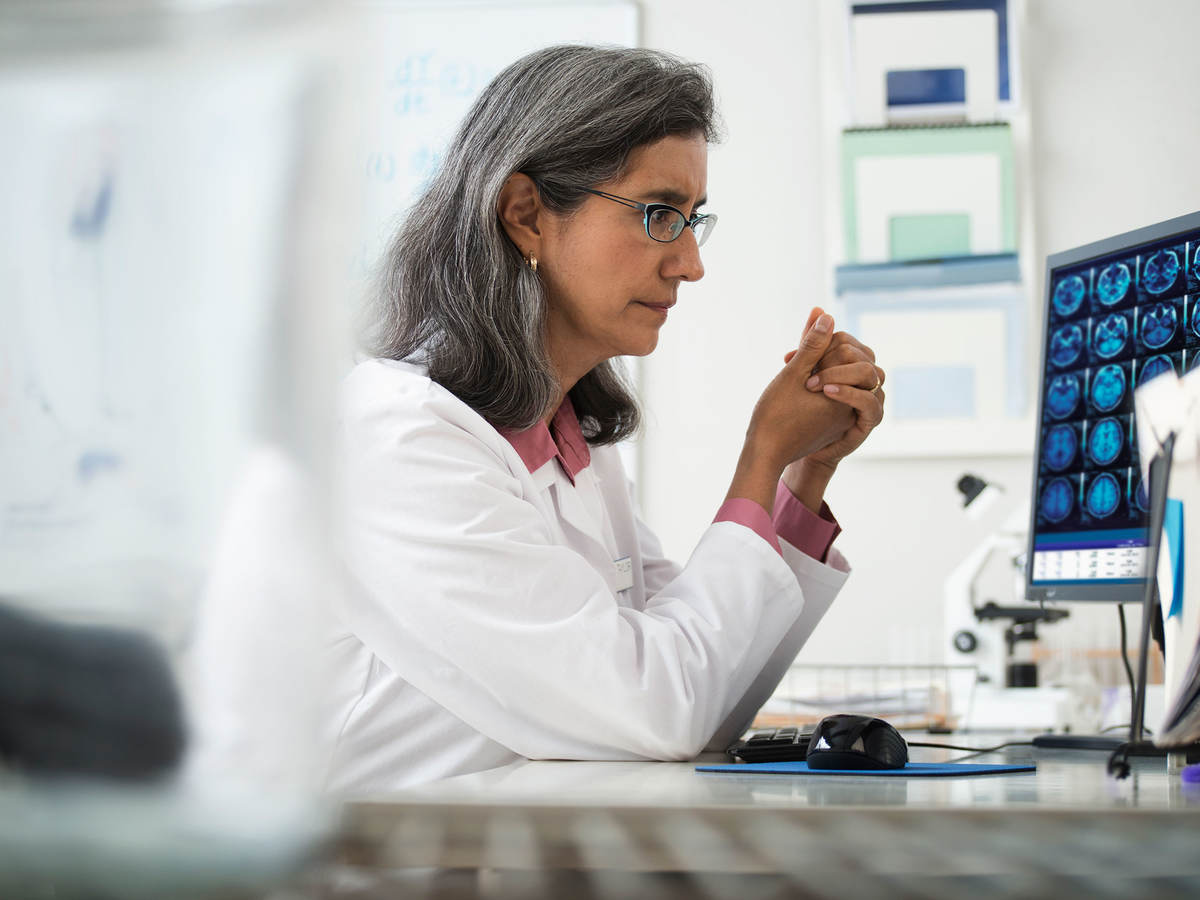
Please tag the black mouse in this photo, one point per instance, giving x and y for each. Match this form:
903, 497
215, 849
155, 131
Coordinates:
856, 742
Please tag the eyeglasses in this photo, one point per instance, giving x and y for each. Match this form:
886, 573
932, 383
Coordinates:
664, 223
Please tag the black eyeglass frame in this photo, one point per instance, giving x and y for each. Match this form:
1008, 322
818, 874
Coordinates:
648, 209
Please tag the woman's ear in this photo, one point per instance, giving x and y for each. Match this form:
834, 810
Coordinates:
520, 211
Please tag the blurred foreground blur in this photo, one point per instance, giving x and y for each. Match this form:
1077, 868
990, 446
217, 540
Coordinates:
171, 270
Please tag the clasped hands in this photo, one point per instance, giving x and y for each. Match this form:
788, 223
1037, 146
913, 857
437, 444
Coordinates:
817, 409
845, 373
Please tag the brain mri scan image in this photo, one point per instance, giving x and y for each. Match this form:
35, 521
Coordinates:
1105, 441
1140, 498
1160, 271
1108, 388
1111, 336
1103, 496
1062, 397
1068, 296
1159, 321
1057, 500
1065, 345
1154, 366
1113, 284
1060, 447
1115, 315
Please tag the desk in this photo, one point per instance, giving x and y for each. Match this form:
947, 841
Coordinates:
1067, 829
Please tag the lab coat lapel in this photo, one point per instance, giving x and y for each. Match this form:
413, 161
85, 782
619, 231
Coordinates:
574, 515
582, 529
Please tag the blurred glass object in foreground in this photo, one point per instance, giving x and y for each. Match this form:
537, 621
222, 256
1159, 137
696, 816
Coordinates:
171, 290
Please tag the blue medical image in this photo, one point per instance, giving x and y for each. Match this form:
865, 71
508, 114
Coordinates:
1155, 366
1068, 295
1108, 388
1065, 345
1113, 284
1141, 499
1160, 272
1102, 496
1059, 447
1194, 361
1194, 318
1157, 324
1062, 396
1057, 501
1110, 336
1106, 440
1196, 264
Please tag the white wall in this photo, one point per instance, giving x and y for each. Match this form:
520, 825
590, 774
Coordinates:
1115, 115
1099, 77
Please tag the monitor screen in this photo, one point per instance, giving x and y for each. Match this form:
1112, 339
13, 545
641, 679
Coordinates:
1117, 313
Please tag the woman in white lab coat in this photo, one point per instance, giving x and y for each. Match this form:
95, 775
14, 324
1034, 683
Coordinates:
504, 599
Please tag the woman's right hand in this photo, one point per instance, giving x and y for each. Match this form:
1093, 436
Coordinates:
786, 423
789, 421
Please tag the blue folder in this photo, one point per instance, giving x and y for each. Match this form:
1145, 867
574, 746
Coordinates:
909, 771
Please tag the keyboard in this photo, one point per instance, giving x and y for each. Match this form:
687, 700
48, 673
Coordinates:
772, 745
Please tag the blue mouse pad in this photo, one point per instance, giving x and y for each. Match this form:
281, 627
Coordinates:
910, 770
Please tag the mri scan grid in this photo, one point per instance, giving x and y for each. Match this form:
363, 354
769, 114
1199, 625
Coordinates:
1114, 323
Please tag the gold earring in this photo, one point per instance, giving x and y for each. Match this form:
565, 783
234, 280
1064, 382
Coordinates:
532, 262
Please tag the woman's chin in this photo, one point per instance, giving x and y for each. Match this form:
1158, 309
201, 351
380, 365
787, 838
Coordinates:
645, 347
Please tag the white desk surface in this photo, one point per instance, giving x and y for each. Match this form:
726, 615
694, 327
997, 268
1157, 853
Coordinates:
1068, 826
1063, 780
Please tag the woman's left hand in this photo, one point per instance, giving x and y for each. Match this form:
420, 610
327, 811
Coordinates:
847, 373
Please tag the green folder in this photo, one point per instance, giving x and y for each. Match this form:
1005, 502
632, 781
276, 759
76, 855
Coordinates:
934, 233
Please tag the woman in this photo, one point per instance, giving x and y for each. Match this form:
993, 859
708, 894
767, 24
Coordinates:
505, 599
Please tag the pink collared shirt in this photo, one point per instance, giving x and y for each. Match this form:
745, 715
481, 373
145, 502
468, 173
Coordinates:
563, 440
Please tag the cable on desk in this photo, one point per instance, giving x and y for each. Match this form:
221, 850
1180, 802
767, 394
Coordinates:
975, 751
1118, 763
1128, 667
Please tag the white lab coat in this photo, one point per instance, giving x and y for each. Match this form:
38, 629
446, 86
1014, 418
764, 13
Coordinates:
483, 619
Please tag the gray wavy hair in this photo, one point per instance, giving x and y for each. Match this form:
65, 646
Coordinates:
455, 291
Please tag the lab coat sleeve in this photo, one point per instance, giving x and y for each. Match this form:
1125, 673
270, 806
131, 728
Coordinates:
821, 583
456, 584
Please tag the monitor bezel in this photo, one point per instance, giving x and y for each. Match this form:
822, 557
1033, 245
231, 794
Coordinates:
1098, 592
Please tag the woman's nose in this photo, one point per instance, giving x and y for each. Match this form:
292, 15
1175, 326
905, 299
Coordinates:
683, 260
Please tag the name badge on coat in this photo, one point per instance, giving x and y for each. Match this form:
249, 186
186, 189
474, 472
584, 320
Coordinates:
624, 570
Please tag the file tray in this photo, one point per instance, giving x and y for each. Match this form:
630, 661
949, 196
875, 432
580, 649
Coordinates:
920, 770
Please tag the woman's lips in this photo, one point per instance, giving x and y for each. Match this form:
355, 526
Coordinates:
660, 308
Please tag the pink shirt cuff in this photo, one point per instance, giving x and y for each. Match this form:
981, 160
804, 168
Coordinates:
808, 532
748, 513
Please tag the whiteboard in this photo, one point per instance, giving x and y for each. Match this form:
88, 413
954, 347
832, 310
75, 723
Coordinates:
423, 66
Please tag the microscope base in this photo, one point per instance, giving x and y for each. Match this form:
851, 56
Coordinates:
1013, 709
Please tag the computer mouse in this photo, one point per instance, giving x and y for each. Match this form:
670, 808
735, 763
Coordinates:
856, 742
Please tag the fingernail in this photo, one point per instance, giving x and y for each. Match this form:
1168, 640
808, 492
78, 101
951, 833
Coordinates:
831, 388
812, 382
823, 324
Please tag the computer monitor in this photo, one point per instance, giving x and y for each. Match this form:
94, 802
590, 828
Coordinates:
1118, 312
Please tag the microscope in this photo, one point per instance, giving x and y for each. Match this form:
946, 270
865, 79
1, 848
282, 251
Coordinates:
997, 638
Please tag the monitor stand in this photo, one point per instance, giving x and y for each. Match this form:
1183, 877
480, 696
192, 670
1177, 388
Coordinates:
1105, 742
1109, 744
